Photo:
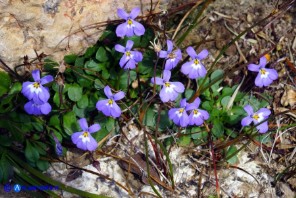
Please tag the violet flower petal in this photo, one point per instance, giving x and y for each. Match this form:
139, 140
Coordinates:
93, 128
36, 75
120, 48
121, 30
119, 96
191, 52
134, 13
83, 124
203, 54
122, 14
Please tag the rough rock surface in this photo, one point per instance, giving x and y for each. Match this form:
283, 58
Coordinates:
49, 25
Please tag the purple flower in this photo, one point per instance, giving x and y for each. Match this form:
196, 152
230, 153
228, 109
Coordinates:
33, 108
257, 117
34, 90
83, 139
265, 76
130, 27
194, 68
109, 106
170, 90
197, 116
179, 115
172, 57
129, 58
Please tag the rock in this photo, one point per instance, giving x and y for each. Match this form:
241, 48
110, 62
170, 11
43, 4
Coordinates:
55, 27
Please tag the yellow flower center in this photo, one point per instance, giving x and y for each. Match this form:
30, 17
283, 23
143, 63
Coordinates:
195, 111
85, 134
129, 22
181, 110
36, 85
255, 116
263, 71
172, 55
128, 53
110, 102
167, 84
196, 62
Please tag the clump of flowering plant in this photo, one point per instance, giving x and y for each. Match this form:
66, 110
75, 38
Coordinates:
172, 56
83, 139
170, 90
129, 58
256, 117
265, 76
194, 68
130, 27
109, 106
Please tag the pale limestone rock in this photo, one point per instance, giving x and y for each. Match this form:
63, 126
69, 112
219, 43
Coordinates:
49, 25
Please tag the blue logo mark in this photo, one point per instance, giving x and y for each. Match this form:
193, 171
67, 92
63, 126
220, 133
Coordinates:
7, 187
17, 188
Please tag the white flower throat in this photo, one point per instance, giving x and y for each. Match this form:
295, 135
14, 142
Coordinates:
84, 137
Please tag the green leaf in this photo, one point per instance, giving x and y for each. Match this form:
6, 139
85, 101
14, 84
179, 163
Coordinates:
98, 84
42, 165
70, 59
79, 62
146, 66
214, 76
7, 104
225, 101
108, 34
123, 80
5, 83
230, 151
56, 98
70, 123
90, 51
105, 73
189, 93
83, 102
101, 54
149, 119
184, 140
218, 128
5, 168
93, 66
75, 92
31, 153
16, 88
207, 105
38, 126
41, 147
227, 91
235, 115
55, 122
86, 82
110, 124
81, 113
165, 122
